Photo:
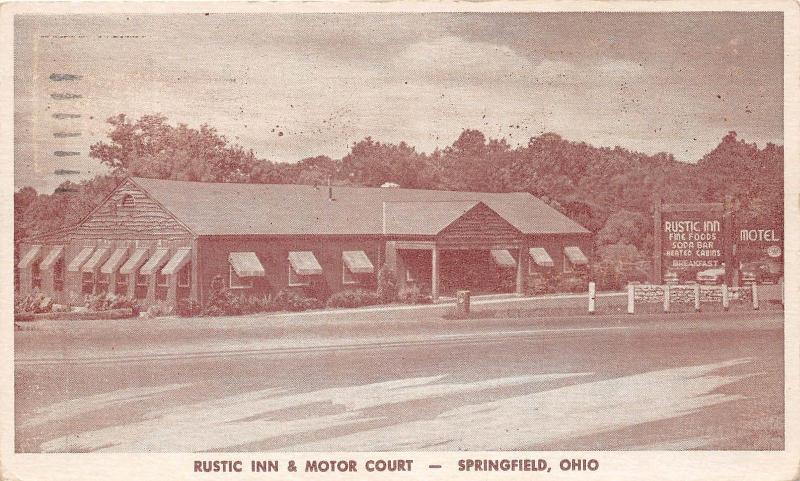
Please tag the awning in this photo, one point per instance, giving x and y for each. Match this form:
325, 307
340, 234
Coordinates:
56, 253
97, 259
358, 262
156, 260
78, 260
179, 259
113, 262
33, 253
503, 258
541, 257
304, 263
246, 264
134, 261
576, 255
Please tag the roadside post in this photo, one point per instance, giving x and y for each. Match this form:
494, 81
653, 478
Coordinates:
592, 297
462, 303
697, 297
666, 297
725, 299
630, 298
754, 295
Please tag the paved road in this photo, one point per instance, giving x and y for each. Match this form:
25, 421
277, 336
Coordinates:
679, 381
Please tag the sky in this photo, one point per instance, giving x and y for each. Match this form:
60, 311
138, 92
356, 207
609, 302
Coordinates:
291, 86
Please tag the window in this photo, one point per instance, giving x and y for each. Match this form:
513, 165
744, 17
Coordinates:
567, 264
185, 276
296, 280
87, 283
236, 282
36, 276
58, 275
347, 276
122, 284
103, 280
140, 291
162, 280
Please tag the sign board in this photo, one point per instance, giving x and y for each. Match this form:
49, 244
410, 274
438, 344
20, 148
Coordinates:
691, 242
759, 242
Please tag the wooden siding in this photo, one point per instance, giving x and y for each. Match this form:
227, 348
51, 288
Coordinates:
480, 226
146, 219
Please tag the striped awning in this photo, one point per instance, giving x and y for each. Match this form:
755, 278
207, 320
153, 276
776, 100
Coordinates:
304, 263
246, 264
541, 257
357, 262
134, 261
55, 254
576, 255
179, 259
155, 262
116, 259
77, 261
97, 259
503, 258
33, 253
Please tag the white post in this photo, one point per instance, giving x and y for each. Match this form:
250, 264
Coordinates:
697, 297
630, 298
666, 297
725, 300
592, 296
754, 295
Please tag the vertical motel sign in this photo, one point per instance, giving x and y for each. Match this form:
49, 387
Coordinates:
690, 238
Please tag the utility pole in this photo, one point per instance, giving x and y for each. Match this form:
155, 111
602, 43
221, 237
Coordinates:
658, 277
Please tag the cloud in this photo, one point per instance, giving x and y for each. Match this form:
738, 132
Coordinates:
453, 58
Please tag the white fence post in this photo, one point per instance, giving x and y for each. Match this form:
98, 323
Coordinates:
754, 295
725, 299
630, 298
592, 296
697, 297
666, 298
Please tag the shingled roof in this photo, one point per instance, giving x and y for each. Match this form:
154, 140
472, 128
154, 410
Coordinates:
286, 209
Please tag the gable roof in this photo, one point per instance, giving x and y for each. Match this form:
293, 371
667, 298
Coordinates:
290, 209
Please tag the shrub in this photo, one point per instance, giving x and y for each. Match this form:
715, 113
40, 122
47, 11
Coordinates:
606, 276
412, 295
354, 298
294, 301
254, 304
188, 308
106, 302
160, 308
572, 283
36, 302
387, 284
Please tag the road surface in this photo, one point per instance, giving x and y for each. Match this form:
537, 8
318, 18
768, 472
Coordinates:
413, 382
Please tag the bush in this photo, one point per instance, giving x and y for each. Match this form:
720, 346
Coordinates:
606, 276
294, 301
387, 284
188, 308
572, 282
412, 295
160, 308
354, 298
36, 302
106, 302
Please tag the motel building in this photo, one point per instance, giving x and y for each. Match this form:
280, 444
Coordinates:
167, 240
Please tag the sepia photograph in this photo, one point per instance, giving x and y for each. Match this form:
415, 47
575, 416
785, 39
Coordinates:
356, 231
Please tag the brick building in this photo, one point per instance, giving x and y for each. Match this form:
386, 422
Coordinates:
167, 240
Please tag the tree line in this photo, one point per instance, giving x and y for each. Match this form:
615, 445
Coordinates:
608, 190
